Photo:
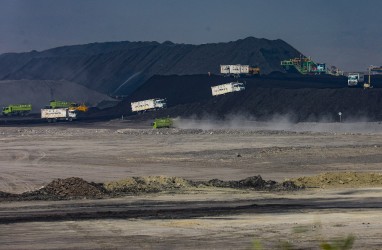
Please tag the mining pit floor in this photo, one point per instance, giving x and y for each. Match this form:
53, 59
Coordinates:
194, 217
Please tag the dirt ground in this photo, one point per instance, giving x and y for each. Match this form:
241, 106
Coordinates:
31, 157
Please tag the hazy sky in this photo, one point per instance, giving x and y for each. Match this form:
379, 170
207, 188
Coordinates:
345, 33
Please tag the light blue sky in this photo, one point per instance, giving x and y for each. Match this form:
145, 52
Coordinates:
345, 33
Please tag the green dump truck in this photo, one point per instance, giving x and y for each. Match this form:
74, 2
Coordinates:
17, 109
60, 104
162, 123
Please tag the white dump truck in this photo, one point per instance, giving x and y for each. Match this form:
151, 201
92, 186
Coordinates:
146, 105
355, 78
227, 88
58, 114
239, 69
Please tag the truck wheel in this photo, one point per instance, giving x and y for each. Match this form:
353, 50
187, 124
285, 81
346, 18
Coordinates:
54, 120
70, 119
49, 120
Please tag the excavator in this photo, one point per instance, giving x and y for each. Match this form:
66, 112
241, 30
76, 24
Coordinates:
79, 107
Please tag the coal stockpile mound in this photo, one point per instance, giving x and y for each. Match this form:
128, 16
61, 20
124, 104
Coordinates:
303, 98
118, 68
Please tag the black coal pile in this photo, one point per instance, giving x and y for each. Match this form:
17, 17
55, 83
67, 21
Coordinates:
254, 183
302, 98
120, 67
62, 189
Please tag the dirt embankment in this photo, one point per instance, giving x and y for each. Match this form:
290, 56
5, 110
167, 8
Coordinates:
77, 188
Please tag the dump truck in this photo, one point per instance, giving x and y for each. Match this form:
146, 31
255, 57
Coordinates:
17, 109
227, 88
146, 105
71, 105
355, 78
162, 123
58, 114
60, 104
239, 70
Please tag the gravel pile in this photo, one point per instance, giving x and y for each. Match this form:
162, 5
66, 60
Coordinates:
254, 183
63, 189
341, 179
72, 187
148, 184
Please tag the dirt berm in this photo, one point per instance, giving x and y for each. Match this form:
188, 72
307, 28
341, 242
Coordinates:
341, 179
77, 188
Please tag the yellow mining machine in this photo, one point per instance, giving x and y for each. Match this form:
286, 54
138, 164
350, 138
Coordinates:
367, 85
79, 107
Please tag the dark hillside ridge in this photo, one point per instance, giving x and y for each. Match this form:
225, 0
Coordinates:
309, 98
120, 67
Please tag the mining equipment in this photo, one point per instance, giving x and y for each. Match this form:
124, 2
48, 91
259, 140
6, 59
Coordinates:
79, 107
355, 78
58, 114
147, 105
239, 70
54, 104
367, 85
70, 105
162, 123
17, 109
227, 88
375, 70
304, 65
334, 71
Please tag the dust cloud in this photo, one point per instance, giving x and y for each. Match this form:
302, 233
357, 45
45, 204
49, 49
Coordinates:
279, 123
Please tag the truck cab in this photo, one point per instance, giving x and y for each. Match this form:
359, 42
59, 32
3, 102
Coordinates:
238, 86
160, 103
355, 78
72, 115
6, 110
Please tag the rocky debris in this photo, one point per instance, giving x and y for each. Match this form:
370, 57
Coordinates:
69, 188
77, 188
6, 195
58, 131
254, 183
162, 183
146, 184
341, 179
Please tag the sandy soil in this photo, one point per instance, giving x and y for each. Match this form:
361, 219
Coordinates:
32, 157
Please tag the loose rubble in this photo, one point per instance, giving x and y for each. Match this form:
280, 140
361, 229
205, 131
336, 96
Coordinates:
63, 189
77, 188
